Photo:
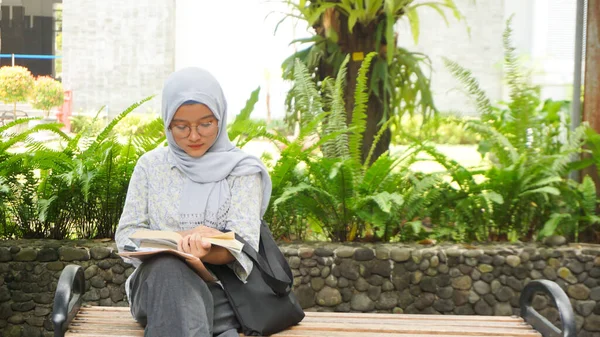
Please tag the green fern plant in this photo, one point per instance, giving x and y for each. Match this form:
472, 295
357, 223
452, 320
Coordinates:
80, 189
399, 80
20, 209
92, 189
529, 148
345, 196
577, 210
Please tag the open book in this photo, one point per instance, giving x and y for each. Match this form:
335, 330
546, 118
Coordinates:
149, 243
149, 239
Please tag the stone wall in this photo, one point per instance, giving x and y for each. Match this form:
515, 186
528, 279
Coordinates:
399, 278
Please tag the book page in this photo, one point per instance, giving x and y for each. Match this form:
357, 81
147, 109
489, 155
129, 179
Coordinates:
173, 237
169, 240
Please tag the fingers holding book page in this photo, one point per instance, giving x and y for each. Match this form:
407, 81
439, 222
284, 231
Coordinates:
195, 245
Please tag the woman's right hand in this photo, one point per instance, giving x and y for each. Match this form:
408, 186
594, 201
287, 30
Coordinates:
194, 245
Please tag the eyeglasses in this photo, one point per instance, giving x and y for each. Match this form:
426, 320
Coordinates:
184, 130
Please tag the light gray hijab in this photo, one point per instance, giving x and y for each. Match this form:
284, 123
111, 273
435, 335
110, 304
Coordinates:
206, 193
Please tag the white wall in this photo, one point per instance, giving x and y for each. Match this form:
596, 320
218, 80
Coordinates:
116, 52
480, 51
234, 40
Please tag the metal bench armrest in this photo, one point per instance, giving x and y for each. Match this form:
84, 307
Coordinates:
67, 298
562, 303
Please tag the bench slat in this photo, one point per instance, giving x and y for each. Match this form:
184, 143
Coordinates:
107, 319
415, 329
117, 322
417, 316
288, 333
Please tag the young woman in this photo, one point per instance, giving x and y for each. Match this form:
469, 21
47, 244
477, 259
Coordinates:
199, 185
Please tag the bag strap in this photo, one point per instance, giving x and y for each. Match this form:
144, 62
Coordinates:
274, 268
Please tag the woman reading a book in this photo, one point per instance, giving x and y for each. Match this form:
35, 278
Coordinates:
200, 185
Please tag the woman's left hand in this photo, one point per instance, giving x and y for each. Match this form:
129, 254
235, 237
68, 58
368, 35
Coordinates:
193, 244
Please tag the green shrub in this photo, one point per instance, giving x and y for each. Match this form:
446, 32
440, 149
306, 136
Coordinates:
15, 85
89, 124
528, 145
77, 192
47, 93
134, 124
337, 194
439, 129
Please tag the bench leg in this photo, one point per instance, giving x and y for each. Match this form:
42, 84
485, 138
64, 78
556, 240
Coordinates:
562, 303
67, 298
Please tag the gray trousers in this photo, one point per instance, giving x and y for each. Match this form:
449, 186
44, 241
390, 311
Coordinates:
170, 299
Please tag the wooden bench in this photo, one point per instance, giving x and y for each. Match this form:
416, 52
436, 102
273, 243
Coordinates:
73, 320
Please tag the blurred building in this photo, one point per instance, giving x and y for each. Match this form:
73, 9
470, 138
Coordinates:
543, 34
116, 52
27, 27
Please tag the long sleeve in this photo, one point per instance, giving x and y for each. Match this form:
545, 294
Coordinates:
244, 218
135, 211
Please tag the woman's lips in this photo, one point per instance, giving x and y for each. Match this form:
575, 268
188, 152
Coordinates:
195, 146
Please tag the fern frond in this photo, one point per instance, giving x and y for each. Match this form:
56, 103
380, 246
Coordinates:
74, 143
336, 122
152, 137
306, 95
513, 70
19, 121
376, 177
423, 193
588, 196
385, 200
376, 140
482, 102
504, 149
105, 133
574, 144
524, 96
52, 127
25, 135
359, 116
51, 160
460, 174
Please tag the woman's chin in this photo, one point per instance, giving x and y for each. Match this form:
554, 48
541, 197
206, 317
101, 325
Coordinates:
195, 152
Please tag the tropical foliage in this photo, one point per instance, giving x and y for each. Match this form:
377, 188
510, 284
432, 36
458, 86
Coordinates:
78, 191
325, 186
399, 79
529, 147
341, 195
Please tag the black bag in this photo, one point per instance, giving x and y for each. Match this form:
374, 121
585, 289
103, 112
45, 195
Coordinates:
265, 304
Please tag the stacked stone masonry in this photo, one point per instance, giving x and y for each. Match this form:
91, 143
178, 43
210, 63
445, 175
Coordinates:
397, 278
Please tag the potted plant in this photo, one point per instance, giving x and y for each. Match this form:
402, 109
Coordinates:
15, 85
47, 93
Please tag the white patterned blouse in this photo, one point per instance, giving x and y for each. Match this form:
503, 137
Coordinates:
153, 201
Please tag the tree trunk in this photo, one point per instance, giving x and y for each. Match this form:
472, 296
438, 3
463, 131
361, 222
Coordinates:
358, 43
591, 102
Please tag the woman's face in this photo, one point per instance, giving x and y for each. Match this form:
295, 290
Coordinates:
194, 128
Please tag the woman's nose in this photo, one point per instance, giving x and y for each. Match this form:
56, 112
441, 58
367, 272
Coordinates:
194, 135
